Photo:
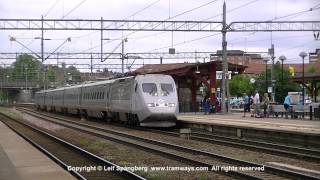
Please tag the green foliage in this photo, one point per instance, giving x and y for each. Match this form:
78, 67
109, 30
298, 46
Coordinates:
26, 66
240, 84
52, 74
312, 69
282, 86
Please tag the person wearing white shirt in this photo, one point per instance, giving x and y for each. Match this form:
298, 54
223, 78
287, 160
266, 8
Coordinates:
256, 102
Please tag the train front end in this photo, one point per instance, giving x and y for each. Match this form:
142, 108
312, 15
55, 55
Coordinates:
159, 101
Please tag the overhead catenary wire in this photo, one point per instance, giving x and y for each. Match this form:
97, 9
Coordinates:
68, 13
231, 10
177, 15
295, 14
45, 14
135, 13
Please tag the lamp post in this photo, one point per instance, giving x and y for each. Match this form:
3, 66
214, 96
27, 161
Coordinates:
7, 76
282, 58
266, 61
26, 71
303, 55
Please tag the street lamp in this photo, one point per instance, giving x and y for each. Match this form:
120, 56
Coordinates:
303, 55
282, 58
26, 71
7, 76
266, 59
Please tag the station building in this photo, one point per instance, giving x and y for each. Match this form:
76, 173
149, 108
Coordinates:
195, 81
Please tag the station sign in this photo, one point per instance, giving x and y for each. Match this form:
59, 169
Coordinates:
219, 75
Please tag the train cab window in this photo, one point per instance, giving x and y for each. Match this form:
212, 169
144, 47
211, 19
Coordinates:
150, 88
166, 89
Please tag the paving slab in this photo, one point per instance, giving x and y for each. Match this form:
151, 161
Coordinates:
236, 119
19, 160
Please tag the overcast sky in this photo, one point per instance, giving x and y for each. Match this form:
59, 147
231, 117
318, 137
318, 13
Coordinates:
286, 43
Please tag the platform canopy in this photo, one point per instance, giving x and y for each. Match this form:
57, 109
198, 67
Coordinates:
181, 69
192, 76
311, 82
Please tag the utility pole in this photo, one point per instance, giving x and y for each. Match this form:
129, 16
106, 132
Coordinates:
26, 69
224, 86
271, 53
122, 54
101, 41
91, 68
42, 56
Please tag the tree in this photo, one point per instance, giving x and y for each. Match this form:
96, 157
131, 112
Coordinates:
312, 69
282, 87
52, 73
240, 84
26, 66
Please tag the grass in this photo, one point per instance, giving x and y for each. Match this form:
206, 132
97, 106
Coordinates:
9, 112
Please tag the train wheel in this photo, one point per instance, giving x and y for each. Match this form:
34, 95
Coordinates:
105, 117
84, 115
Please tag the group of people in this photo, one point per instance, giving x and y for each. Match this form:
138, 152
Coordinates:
208, 107
256, 101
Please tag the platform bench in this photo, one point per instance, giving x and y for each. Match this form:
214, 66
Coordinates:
276, 110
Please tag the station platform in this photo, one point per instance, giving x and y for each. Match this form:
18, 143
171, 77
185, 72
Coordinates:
271, 123
295, 132
19, 160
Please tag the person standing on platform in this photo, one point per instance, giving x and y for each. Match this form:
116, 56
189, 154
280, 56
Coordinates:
266, 102
287, 102
206, 106
252, 105
256, 102
246, 104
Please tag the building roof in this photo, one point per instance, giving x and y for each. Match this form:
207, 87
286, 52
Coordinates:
183, 68
259, 68
157, 68
306, 77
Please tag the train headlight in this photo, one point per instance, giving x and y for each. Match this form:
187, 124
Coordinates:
151, 105
172, 105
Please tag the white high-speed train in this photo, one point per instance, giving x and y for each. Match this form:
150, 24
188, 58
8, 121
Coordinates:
147, 100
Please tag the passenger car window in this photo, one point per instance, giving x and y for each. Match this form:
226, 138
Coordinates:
150, 88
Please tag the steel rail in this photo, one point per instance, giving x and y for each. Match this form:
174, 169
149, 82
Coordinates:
125, 173
268, 169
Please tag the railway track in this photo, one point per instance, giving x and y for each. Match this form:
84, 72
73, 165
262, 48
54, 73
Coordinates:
181, 153
66, 154
271, 148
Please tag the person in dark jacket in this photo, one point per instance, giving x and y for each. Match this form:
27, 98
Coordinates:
246, 104
206, 106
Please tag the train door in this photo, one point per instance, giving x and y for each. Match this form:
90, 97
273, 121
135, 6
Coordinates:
134, 96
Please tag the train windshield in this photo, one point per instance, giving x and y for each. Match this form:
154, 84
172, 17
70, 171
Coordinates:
166, 89
150, 88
